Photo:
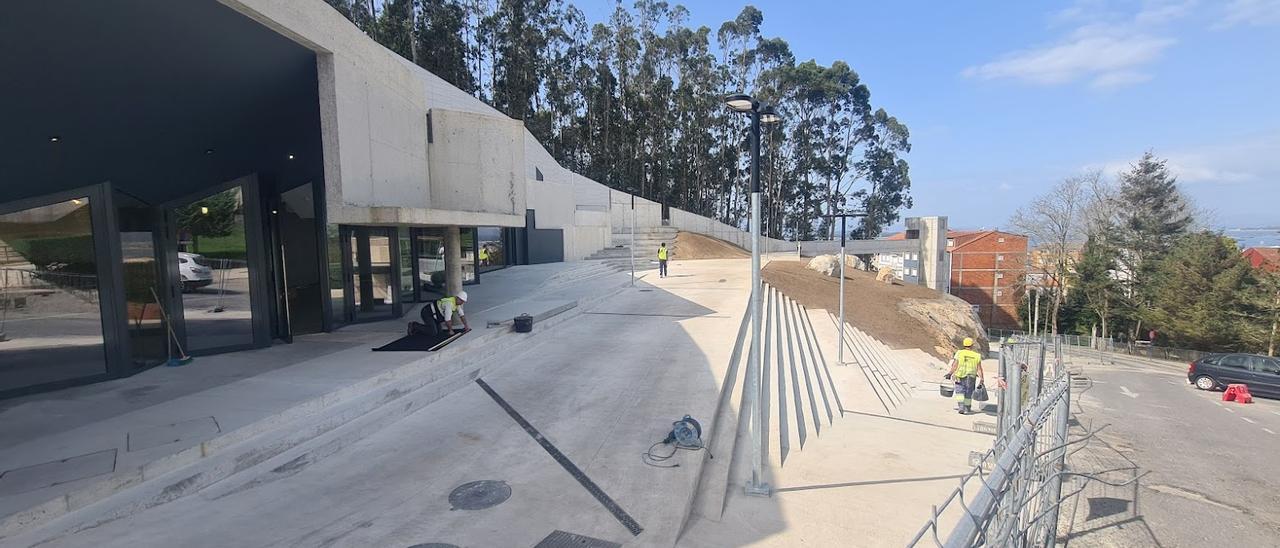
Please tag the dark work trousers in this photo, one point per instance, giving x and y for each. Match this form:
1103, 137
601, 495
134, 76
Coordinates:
662, 268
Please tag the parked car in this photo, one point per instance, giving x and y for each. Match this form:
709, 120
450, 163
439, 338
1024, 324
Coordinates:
194, 270
1215, 371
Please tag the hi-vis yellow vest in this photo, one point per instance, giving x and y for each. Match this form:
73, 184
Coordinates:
662, 253
967, 362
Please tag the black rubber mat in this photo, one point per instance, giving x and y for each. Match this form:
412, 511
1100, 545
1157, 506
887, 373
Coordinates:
419, 343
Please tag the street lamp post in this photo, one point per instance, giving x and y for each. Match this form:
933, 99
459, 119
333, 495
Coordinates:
843, 217
759, 113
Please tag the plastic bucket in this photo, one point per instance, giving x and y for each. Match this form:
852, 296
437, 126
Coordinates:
946, 390
523, 323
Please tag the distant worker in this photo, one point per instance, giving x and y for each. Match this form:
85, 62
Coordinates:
484, 255
662, 260
966, 371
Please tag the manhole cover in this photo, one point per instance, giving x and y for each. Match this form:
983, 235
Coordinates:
478, 495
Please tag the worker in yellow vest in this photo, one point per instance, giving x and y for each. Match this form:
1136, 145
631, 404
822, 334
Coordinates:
662, 260
966, 371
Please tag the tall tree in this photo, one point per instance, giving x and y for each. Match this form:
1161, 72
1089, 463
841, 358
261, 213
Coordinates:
1095, 279
1055, 223
441, 39
1200, 293
1153, 215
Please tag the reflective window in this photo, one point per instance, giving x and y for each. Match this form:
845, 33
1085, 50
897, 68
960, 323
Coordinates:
50, 317
215, 273
1234, 360
492, 252
149, 341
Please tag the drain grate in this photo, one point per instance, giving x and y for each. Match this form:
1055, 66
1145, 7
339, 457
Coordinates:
561, 539
478, 495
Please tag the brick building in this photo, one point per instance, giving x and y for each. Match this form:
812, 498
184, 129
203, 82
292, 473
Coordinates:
1263, 258
988, 269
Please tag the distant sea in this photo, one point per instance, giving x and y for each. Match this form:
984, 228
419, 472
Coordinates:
1252, 237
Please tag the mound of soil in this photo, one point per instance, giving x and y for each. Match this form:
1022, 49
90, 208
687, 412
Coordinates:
874, 307
696, 246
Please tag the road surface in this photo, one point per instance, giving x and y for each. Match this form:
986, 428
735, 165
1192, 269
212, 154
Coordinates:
1212, 476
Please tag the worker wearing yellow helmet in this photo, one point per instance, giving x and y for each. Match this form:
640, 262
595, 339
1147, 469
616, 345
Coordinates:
966, 371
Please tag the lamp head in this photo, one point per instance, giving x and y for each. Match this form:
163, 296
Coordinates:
740, 102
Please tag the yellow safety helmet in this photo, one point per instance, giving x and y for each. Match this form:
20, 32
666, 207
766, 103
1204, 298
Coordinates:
967, 342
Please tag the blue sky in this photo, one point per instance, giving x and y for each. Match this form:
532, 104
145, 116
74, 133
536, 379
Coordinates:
1005, 98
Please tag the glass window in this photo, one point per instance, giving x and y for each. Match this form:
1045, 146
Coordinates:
468, 236
215, 278
149, 341
406, 266
1262, 364
492, 249
336, 299
49, 308
1237, 361
429, 249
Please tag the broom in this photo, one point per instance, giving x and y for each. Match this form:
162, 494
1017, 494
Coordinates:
172, 339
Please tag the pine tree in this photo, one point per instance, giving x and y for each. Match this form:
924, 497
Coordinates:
1200, 294
1153, 215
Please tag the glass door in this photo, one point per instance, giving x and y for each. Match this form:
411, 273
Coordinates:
148, 338
214, 271
371, 266
51, 311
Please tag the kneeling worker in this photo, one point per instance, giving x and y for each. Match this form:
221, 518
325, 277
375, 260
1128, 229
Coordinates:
448, 306
966, 370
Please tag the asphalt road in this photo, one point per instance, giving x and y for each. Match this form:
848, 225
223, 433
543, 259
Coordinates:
1212, 476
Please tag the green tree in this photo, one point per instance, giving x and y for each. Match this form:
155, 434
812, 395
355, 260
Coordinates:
1094, 279
394, 28
1153, 214
441, 42
1200, 294
213, 216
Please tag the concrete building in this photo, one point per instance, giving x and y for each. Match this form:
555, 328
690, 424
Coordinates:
221, 175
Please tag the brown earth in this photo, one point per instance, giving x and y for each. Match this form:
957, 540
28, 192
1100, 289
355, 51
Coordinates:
696, 246
871, 306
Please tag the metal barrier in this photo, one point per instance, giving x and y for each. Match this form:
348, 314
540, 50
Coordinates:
1012, 495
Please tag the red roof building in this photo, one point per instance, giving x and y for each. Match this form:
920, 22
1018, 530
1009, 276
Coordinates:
1264, 258
988, 271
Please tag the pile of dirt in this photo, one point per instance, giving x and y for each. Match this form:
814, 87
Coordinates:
900, 315
696, 246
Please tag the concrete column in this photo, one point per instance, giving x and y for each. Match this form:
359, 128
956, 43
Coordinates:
452, 260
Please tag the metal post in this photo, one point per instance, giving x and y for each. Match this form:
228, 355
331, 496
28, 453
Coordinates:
757, 485
1061, 422
840, 356
632, 245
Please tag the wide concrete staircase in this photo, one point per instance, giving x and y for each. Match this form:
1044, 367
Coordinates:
798, 394
645, 245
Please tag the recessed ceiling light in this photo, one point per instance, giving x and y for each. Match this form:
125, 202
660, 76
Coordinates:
290, 156
208, 151
54, 138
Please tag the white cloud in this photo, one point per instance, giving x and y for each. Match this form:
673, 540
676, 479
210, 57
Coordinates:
1248, 160
1106, 48
1250, 12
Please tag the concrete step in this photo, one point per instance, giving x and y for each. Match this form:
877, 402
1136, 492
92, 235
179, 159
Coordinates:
308, 431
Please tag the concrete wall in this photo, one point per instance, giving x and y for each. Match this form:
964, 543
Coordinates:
373, 118
477, 162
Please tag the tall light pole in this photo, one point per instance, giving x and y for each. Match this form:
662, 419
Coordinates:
843, 217
759, 113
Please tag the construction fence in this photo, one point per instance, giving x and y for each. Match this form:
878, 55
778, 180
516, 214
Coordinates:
1141, 349
1013, 493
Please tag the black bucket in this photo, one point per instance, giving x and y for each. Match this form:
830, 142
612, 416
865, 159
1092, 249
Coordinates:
947, 390
523, 323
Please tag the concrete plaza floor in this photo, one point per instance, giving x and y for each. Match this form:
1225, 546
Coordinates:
62, 442
597, 390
